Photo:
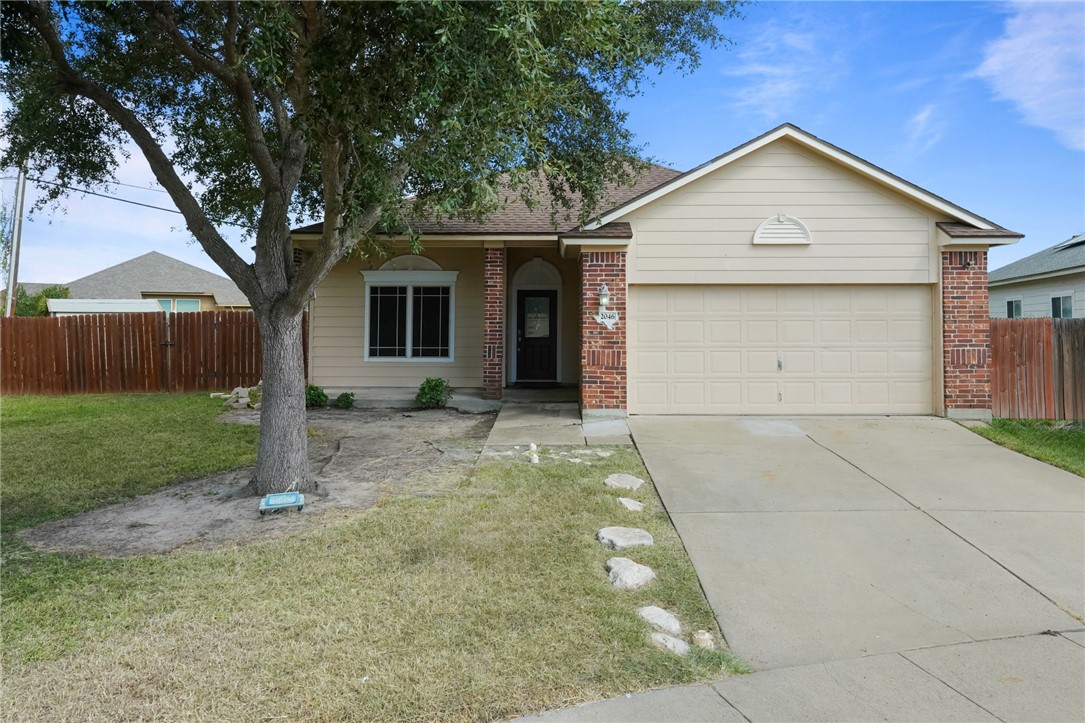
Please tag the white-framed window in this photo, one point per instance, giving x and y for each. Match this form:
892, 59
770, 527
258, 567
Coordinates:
1013, 309
178, 305
410, 315
1062, 307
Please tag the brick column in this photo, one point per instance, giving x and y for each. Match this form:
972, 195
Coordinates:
493, 325
602, 350
966, 334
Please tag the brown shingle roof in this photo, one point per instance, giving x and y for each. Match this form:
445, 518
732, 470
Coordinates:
953, 229
516, 218
616, 229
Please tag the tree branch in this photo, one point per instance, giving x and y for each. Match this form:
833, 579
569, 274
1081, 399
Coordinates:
162, 16
201, 227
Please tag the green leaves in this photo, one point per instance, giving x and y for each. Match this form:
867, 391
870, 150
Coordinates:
357, 105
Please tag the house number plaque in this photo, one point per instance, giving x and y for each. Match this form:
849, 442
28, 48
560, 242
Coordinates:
609, 319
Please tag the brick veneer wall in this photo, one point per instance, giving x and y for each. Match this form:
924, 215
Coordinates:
966, 331
602, 350
493, 325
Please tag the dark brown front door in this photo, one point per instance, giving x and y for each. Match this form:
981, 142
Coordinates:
536, 336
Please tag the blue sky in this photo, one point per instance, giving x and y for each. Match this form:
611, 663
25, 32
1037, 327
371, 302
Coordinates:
981, 103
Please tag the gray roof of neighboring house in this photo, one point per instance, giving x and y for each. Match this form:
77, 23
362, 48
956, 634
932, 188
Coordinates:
155, 273
34, 287
1066, 255
151, 273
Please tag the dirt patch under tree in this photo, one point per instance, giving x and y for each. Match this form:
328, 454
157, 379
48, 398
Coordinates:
356, 456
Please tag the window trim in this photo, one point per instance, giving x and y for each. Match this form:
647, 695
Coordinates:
411, 279
1061, 296
173, 303
1020, 305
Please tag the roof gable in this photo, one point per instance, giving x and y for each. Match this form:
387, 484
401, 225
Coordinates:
802, 138
155, 273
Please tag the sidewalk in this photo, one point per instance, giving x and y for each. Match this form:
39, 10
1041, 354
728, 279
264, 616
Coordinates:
550, 424
1032, 678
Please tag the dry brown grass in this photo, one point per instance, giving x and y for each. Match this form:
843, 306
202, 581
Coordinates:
485, 603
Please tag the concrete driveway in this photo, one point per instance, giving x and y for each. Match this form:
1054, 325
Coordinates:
820, 541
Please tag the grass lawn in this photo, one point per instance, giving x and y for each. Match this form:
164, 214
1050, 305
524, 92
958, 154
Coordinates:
486, 602
1059, 443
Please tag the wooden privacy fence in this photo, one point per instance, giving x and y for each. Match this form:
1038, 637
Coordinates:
152, 352
1038, 368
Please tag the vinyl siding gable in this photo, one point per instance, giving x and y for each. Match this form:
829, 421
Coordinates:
861, 232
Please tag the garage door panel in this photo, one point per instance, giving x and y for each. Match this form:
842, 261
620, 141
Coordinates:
725, 362
689, 362
797, 331
688, 300
719, 350
834, 332
760, 332
761, 362
724, 332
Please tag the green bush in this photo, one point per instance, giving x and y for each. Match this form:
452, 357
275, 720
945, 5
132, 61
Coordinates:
345, 400
315, 396
433, 393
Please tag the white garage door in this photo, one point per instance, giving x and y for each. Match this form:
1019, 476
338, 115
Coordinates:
780, 350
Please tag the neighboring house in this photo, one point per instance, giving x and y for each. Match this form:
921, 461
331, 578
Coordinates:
1048, 283
72, 307
172, 284
786, 276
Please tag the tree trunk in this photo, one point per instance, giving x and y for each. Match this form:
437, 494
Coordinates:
284, 453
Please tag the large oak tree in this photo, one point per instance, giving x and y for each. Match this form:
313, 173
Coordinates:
365, 113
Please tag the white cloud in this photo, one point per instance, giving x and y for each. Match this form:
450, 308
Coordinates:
925, 129
1039, 65
783, 67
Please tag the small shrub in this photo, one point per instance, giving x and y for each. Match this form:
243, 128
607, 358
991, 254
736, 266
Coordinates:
254, 394
315, 396
345, 400
433, 393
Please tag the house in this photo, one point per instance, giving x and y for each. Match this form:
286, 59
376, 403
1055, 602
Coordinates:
71, 307
786, 276
1047, 283
173, 284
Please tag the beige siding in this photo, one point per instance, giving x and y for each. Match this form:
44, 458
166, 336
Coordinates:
1036, 296
781, 350
862, 232
337, 334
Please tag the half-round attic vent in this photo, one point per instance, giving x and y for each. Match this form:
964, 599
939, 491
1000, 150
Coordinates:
781, 229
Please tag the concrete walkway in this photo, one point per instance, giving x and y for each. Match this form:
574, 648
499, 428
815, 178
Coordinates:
550, 424
872, 569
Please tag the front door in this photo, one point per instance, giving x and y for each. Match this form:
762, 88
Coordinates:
536, 336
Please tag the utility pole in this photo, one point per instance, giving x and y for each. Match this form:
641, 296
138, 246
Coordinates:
16, 238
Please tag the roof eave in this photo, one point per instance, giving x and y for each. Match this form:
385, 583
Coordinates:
1068, 271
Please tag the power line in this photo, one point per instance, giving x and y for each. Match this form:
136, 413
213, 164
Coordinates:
118, 198
103, 195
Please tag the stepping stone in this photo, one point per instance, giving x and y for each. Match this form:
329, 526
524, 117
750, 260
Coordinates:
628, 575
660, 619
603, 453
670, 644
623, 481
704, 639
631, 505
622, 538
